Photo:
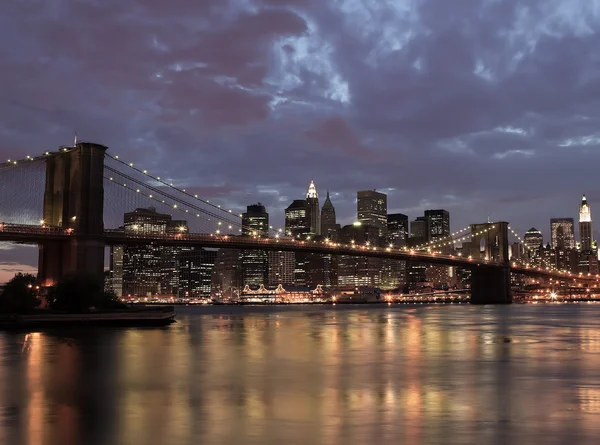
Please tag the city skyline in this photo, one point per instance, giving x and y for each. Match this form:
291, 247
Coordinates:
309, 87
302, 90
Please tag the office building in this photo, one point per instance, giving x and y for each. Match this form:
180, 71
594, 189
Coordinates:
397, 229
255, 263
296, 222
359, 271
371, 207
149, 270
562, 233
281, 267
438, 224
255, 221
195, 268
533, 241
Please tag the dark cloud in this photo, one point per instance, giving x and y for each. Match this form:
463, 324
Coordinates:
487, 108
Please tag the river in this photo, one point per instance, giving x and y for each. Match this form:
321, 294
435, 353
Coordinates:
451, 374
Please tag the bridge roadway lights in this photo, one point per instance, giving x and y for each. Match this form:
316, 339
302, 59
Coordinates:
490, 285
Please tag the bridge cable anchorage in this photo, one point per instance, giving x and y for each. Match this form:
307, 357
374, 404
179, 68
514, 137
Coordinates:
170, 205
170, 196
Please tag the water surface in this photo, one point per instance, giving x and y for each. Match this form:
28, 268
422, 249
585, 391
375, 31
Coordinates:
456, 374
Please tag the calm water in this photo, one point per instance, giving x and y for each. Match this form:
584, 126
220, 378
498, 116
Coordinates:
522, 374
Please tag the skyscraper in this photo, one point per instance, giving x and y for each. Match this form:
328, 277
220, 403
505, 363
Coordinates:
296, 223
439, 224
397, 228
255, 222
149, 269
533, 241
371, 207
562, 233
585, 225
328, 220
313, 214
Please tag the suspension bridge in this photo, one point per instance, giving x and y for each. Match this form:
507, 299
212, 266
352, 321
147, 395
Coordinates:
71, 203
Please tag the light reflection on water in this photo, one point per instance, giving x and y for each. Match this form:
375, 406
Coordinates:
366, 375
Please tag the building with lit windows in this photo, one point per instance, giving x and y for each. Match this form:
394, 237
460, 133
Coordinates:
313, 215
371, 207
255, 263
397, 229
296, 222
255, 221
533, 241
438, 224
148, 270
359, 271
195, 268
281, 267
562, 233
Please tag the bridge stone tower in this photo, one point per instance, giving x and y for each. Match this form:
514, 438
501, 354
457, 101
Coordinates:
74, 199
490, 284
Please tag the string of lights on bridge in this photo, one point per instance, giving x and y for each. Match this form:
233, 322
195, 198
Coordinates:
162, 201
171, 185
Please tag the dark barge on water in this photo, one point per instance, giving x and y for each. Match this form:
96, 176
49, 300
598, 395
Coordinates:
134, 316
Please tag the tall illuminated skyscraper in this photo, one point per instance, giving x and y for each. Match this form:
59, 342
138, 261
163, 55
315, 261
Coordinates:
313, 212
585, 225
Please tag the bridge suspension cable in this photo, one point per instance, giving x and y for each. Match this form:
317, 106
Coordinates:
158, 179
443, 241
172, 206
177, 200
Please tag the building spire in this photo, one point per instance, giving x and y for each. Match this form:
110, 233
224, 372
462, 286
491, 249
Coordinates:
75, 140
312, 190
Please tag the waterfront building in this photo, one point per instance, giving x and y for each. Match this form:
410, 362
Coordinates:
148, 270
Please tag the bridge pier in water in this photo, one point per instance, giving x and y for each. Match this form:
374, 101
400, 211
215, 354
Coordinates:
74, 199
491, 284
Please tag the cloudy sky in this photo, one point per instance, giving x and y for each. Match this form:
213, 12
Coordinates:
482, 107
